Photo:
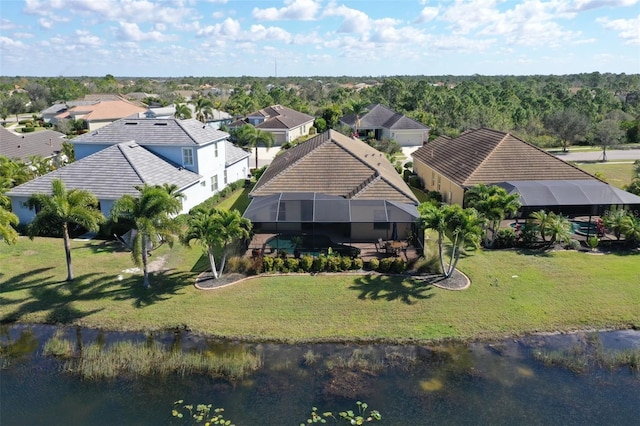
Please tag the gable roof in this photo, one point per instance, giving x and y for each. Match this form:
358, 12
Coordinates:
380, 116
45, 143
154, 131
334, 164
490, 156
233, 154
281, 117
112, 173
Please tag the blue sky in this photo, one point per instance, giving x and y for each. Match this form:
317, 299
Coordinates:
317, 37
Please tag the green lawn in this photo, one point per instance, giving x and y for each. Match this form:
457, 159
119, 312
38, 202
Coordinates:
618, 175
511, 293
238, 200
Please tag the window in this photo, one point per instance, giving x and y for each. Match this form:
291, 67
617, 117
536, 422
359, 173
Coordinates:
187, 156
225, 177
203, 183
433, 178
216, 149
214, 183
439, 179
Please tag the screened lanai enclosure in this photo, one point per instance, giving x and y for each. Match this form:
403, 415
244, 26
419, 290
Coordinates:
316, 213
570, 197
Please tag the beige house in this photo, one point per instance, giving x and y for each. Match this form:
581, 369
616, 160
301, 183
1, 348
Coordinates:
284, 123
334, 184
451, 165
100, 113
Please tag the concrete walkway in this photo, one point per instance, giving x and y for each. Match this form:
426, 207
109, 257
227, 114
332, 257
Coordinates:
625, 155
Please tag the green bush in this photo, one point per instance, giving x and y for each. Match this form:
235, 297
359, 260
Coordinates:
434, 196
25, 122
398, 266
257, 264
267, 264
346, 263
306, 263
428, 265
28, 129
505, 238
408, 165
292, 264
415, 181
357, 264
258, 172
278, 264
334, 263
406, 174
320, 263
385, 264
374, 264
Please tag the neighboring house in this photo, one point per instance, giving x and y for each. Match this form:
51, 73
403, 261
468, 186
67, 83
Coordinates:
385, 123
334, 184
101, 113
284, 123
216, 120
111, 161
45, 143
452, 165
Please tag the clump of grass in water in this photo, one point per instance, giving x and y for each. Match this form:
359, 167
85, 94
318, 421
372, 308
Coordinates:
59, 347
580, 358
145, 359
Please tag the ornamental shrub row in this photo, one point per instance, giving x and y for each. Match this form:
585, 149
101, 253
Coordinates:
308, 264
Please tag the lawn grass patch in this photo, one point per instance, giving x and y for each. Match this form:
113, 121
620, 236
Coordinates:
511, 293
238, 200
617, 174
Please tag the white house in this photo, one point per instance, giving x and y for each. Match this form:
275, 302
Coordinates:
113, 160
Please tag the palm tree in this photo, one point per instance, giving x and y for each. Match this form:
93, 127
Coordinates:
249, 136
15, 172
215, 230
182, 111
461, 226
357, 108
631, 229
542, 219
151, 217
614, 219
559, 228
65, 208
493, 203
7, 222
204, 108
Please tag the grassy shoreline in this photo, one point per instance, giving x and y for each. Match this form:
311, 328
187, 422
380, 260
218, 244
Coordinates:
512, 293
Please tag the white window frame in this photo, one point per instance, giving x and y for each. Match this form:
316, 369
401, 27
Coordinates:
187, 156
214, 183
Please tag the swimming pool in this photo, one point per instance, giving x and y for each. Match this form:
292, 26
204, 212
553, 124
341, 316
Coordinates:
578, 227
313, 245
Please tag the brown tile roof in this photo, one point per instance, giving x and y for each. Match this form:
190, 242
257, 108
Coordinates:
104, 110
334, 164
490, 156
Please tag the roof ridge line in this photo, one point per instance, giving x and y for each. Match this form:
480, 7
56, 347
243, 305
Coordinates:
504, 137
126, 156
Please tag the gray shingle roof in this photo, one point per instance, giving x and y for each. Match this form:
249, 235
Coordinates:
334, 164
44, 143
379, 116
151, 131
111, 173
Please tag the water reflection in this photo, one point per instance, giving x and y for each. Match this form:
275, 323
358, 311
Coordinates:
478, 383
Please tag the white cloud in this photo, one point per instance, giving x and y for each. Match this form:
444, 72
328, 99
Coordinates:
131, 32
427, 14
584, 5
228, 28
45, 23
627, 29
302, 10
465, 17
87, 39
354, 21
7, 43
258, 33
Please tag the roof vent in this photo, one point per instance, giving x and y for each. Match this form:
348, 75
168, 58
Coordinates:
130, 123
159, 124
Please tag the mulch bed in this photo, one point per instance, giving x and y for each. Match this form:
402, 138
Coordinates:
457, 281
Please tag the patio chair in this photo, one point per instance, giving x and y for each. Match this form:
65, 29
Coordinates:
380, 244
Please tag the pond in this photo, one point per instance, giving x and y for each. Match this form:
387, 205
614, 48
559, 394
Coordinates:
476, 383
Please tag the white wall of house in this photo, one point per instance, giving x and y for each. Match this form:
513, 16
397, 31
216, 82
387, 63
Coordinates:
237, 171
97, 124
26, 215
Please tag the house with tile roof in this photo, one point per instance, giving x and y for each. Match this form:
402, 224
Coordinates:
284, 123
45, 143
334, 183
385, 123
100, 113
452, 165
113, 160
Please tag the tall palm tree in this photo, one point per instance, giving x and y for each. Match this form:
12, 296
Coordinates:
64, 208
182, 111
462, 227
357, 108
493, 203
249, 136
7, 222
215, 230
203, 107
151, 216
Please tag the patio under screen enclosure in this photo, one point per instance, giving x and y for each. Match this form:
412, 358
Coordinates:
313, 212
